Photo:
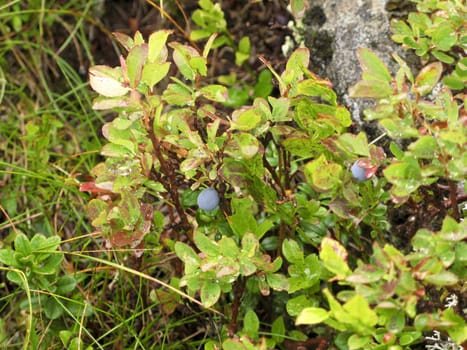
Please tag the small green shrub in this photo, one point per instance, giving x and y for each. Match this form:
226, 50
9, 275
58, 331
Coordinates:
280, 169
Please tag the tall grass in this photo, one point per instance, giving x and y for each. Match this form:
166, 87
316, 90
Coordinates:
49, 142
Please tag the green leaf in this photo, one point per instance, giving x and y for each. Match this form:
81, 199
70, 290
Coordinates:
251, 324
182, 57
356, 341
419, 22
298, 8
138, 38
370, 88
237, 97
52, 309
454, 82
135, 62
444, 36
322, 174
405, 174
293, 73
103, 103
210, 293
428, 78
292, 251
50, 266
126, 41
310, 87
399, 128
278, 330
156, 44
444, 278
277, 281
243, 52
299, 144
176, 94
373, 68
400, 29
422, 47
407, 338
312, 315
65, 285
250, 244
461, 68
15, 277
188, 256
342, 114
243, 146
228, 247
199, 65
263, 227
154, 73
441, 56
304, 275
396, 322
280, 108
298, 60
356, 144
396, 151
22, 245
49, 243
116, 151
214, 92
120, 137
209, 44
7, 257
263, 86
65, 337
246, 119
206, 245
424, 147
334, 257
296, 305
359, 309
199, 34
231, 344
458, 329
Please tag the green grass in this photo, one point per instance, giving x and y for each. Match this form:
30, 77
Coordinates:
49, 142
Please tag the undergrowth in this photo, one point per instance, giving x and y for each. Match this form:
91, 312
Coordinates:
179, 208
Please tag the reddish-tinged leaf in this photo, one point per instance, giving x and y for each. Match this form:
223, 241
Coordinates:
371, 88
428, 78
373, 68
107, 81
91, 187
135, 62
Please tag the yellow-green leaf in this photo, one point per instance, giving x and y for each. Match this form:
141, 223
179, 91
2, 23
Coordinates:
373, 68
156, 44
428, 78
312, 315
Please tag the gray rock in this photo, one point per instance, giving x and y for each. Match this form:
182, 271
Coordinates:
335, 29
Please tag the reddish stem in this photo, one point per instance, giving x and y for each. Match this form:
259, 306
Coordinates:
238, 292
171, 185
453, 198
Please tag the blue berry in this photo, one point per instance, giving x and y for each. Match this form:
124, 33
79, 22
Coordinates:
359, 173
208, 199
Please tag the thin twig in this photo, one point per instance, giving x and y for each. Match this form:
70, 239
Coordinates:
174, 22
453, 197
238, 293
